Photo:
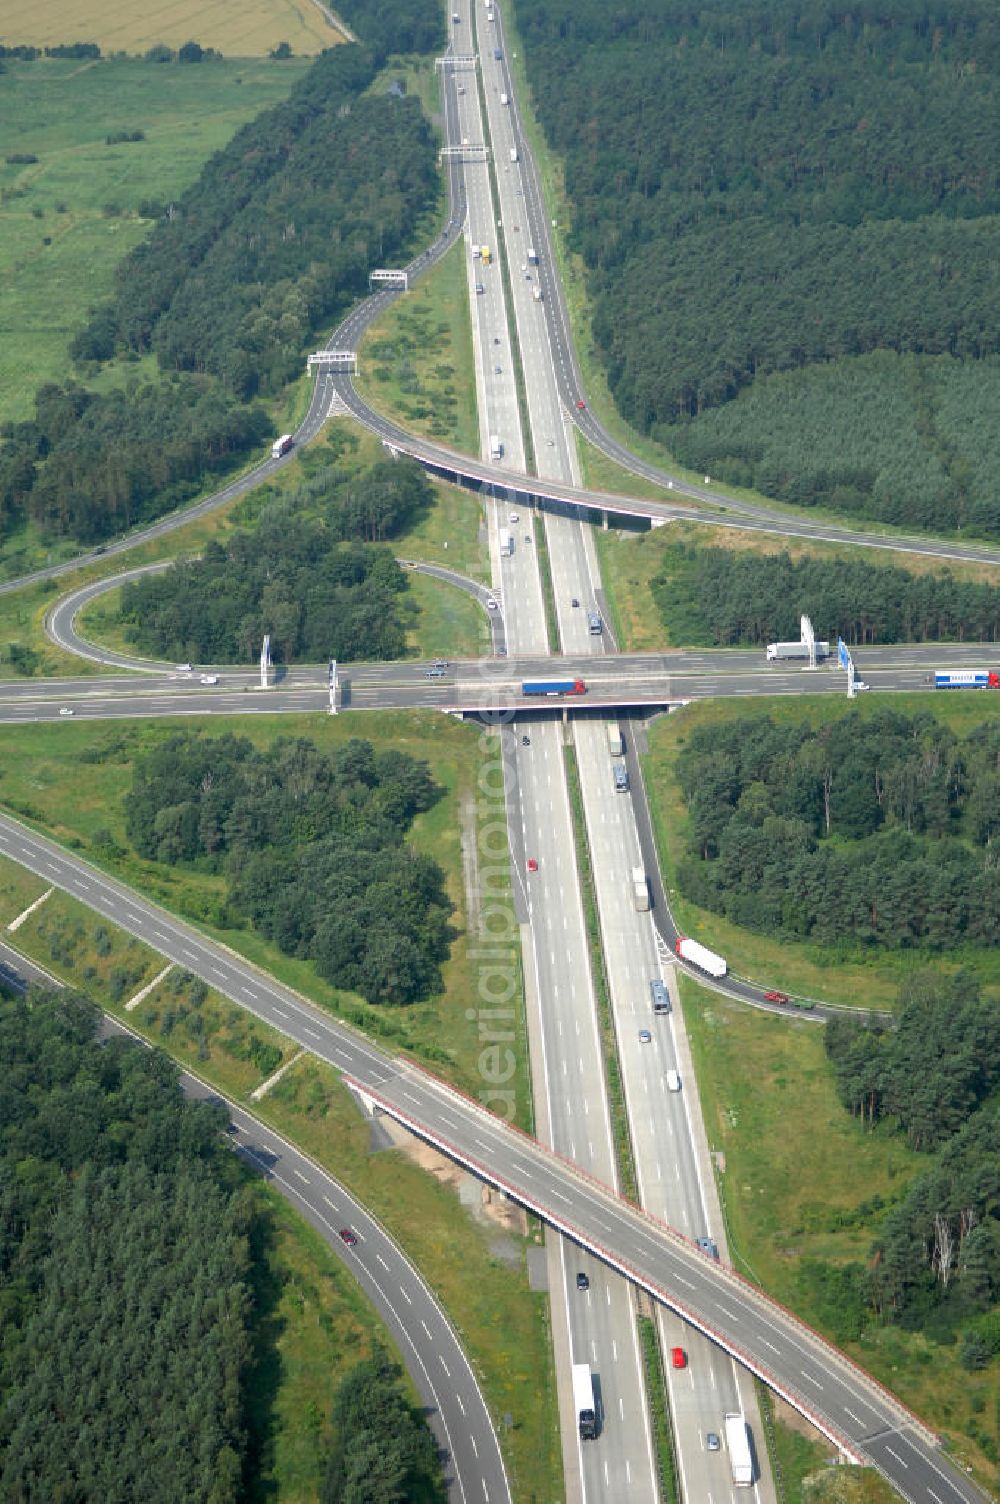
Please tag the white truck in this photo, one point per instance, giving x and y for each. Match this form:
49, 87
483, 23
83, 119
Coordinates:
504, 99
640, 889
740, 1455
779, 651
701, 956
583, 1400
496, 447
532, 257
616, 742
513, 154
281, 446
506, 541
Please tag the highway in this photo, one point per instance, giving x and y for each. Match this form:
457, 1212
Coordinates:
456, 1409
868, 1423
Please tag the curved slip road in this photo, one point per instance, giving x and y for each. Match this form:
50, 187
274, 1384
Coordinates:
867, 1422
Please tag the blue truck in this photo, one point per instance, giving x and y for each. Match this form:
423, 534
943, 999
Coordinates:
968, 678
553, 687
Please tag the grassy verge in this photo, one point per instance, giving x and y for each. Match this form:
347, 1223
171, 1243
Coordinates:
68, 218
416, 362
630, 562
804, 1181
481, 1282
841, 974
449, 623
74, 786
545, 577
609, 1044
656, 1393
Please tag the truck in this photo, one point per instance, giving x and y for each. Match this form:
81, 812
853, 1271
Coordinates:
513, 154
740, 1455
583, 1399
553, 687
701, 956
532, 257
281, 446
486, 254
506, 541
967, 678
616, 742
640, 889
504, 99
496, 447
778, 651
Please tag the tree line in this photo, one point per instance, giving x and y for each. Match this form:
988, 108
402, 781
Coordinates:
719, 597
311, 575
124, 1271
383, 1452
313, 848
763, 189
871, 832
932, 1075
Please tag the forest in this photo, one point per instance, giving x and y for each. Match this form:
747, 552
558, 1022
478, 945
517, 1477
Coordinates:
313, 574
274, 240
312, 845
719, 597
787, 187
372, 1418
124, 1263
871, 833
932, 1076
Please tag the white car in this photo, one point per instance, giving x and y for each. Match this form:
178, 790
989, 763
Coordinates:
209, 678
514, 517
184, 668
492, 605
66, 711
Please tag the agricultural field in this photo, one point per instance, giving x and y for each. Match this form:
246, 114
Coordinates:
249, 30
68, 218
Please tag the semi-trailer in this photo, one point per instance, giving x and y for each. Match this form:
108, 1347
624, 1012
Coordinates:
740, 1455
583, 1399
506, 541
281, 446
513, 154
553, 687
967, 678
640, 889
532, 257
701, 956
496, 447
616, 742
778, 651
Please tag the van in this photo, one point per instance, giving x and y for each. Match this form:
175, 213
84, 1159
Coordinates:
673, 1081
596, 624
660, 995
621, 778
480, 289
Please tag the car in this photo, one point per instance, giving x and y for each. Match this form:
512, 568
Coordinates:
184, 668
514, 517
440, 663
711, 1442
434, 673
67, 711
581, 405
496, 339
209, 679
348, 1236
480, 289
709, 1246
644, 1036
776, 997
574, 601
496, 370
492, 605
582, 1281
532, 864
678, 1357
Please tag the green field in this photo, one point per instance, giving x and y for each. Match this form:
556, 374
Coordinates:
800, 1182
69, 218
248, 30
844, 975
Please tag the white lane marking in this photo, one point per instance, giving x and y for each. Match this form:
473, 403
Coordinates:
402, 1291
897, 1457
382, 1261
445, 1366
776, 1350
813, 1379
426, 1328
311, 1032
856, 1418
331, 1204
299, 1175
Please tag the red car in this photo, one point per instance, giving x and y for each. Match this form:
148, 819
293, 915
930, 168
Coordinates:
349, 1237
532, 864
776, 997
581, 405
678, 1357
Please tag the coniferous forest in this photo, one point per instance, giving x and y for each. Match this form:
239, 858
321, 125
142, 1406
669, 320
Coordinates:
786, 210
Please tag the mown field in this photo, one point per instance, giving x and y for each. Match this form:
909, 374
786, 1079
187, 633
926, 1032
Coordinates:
248, 30
69, 217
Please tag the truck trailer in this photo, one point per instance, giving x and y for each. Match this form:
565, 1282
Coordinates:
779, 651
553, 687
740, 1455
640, 889
506, 541
701, 956
281, 446
968, 678
616, 742
496, 447
583, 1399
532, 257
513, 154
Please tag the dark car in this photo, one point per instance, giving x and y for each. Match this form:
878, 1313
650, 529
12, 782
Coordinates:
711, 1442
349, 1237
582, 1282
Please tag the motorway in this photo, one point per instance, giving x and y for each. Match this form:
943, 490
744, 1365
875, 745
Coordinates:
868, 1423
456, 1409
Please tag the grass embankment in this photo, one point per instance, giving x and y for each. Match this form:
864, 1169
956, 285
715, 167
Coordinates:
416, 364
630, 562
67, 219
803, 1180
484, 1288
246, 31
71, 780
845, 975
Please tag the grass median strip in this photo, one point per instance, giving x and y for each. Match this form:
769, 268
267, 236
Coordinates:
659, 1406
